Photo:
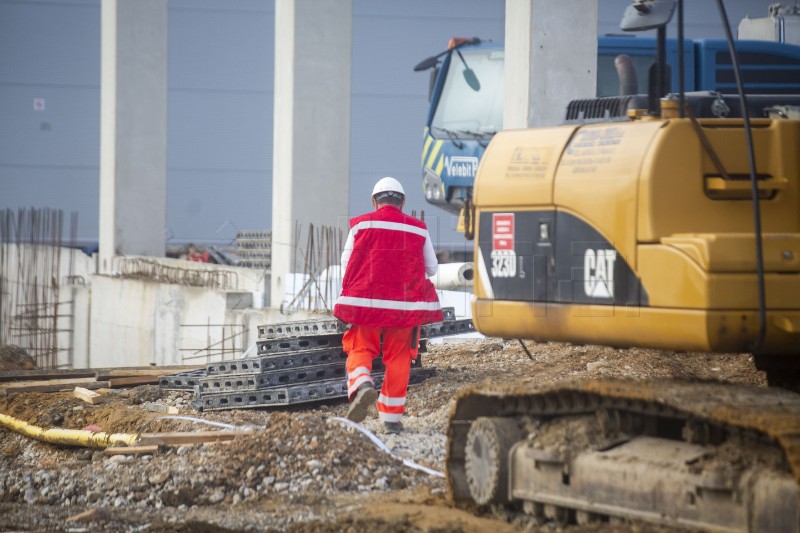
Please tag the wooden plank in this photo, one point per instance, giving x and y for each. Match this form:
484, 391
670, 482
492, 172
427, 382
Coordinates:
132, 450
101, 373
52, 385
87, 396
30, 375
67, 381
107, 373
132, 381
90, 515
63, 387
189, 437
160, 408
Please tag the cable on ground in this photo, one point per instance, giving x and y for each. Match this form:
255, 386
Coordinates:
379, 443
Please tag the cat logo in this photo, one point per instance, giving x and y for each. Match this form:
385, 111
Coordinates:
598, 272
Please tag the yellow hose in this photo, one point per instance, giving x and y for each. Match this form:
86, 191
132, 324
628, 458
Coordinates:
71, 437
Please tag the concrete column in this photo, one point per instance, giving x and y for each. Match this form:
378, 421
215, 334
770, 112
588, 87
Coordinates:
311, 147
550, 59
133, 129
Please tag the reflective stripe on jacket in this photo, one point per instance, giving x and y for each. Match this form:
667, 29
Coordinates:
384, 282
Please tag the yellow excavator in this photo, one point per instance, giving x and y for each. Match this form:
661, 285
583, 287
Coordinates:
662, 221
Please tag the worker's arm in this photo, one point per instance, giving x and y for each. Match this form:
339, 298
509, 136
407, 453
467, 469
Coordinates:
348, 249
431, 263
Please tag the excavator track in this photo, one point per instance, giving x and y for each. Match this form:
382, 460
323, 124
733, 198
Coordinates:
706, 455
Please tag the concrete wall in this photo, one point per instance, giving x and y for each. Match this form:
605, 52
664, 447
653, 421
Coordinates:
114, 321
138, 323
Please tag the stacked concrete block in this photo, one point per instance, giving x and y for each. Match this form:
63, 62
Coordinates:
296, 362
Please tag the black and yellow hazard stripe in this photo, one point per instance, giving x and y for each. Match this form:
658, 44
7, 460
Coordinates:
432, 156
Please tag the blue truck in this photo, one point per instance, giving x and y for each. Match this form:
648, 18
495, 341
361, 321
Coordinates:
466, 94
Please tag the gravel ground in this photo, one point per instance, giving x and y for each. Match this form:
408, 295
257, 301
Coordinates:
300, 470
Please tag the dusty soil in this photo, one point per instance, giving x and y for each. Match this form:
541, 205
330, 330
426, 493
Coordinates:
13, 357
300, 470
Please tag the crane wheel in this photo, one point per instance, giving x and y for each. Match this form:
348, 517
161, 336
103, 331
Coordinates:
488, 443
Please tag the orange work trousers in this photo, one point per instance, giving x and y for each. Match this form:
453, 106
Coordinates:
399, 347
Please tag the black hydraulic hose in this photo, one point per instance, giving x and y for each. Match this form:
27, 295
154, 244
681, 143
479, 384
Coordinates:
681, 65
762, 306
709, 148
656, 88
661, 62
526, 349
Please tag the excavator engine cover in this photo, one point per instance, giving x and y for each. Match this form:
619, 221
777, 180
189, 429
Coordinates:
627, 234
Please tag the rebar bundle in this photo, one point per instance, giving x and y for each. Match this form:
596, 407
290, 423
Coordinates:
320, 273
147, 269
30, 269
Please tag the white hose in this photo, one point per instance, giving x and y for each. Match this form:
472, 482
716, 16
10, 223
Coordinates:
407, 462
199, 421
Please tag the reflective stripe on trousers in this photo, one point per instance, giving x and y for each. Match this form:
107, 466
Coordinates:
391, 409
356, 378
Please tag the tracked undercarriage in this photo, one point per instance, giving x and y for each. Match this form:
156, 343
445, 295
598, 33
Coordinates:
698, 454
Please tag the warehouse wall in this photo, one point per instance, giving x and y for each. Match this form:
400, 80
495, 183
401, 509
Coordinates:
220, 103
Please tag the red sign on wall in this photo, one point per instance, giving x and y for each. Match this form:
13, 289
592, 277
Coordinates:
503, 231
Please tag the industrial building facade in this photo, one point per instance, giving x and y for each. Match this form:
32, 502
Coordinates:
220, 103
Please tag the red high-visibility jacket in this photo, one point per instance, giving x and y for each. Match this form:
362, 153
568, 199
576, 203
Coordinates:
384, 282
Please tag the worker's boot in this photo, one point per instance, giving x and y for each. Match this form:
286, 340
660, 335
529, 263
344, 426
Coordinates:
365, 398
393, 427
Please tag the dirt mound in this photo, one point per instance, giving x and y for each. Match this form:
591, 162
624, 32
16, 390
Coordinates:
300, 471
13, 357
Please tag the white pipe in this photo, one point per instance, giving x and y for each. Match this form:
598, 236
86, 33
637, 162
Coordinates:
222, 425
454, 276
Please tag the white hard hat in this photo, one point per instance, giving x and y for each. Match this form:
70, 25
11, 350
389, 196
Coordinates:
387, 185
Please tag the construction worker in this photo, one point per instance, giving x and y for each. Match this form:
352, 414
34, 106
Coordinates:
385, 297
